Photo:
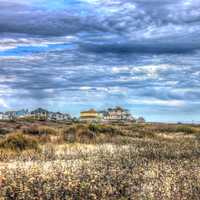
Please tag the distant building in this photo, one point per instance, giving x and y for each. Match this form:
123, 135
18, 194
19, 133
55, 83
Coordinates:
90, 115
10, 115
103, 115
118, 114
13, 115
140, 120
5, 116
22, 113
2, 116
57, 116
40, 114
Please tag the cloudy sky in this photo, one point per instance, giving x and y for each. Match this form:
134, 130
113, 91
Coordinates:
69, 55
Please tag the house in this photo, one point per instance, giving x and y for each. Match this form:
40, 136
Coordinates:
22, 113
103, 115
140, 120
118, 114
90, 115
111, 114
4, 116
66, 117
10, 115
1, 115
40, 114
57, 116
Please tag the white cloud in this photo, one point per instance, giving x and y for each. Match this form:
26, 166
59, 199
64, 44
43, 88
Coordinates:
151, 71
3, 103
120, 69
158, 102
85, 88
142, 72
9, 43
7, 79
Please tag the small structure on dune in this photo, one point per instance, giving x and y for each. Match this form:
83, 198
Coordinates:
118, 114
4, 116
40, 114
140, 120
90, 115
110, 115
22, 113
13, 115
58, 116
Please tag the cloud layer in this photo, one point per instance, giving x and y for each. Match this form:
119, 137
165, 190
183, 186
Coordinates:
72, 55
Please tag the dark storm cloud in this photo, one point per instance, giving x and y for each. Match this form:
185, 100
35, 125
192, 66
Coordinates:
154, 47
38, 23
17, 18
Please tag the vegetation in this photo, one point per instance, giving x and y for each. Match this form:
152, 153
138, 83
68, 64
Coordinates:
39, 130
78, 133
93, 161
18, 142
107, 129
185, 129
3, 131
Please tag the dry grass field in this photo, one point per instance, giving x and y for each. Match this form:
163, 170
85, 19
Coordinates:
48, 161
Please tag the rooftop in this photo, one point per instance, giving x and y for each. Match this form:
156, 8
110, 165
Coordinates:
89, 111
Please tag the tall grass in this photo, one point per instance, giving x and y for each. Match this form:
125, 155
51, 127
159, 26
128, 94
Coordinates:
18, 142
102, 162
158, 171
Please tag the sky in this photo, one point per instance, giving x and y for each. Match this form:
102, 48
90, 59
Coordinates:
72, 55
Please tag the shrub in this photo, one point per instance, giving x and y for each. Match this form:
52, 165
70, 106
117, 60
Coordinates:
145, 134
4, 131
47, 130
97, 128
43, 130
33, 130
43, 138
89, 133
78, 133
49, 152
198, 137
69, 134
185, 129
19, 142
165, 128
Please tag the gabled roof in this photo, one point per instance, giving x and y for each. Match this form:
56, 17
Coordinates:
90, 111
59, 113
116, 109
21, 112
103, 112
39, 110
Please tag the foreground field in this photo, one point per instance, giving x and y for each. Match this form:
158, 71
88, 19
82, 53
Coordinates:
59, 161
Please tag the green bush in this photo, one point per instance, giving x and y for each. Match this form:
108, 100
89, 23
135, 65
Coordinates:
185, 129
19, 142
98, 128
95, 128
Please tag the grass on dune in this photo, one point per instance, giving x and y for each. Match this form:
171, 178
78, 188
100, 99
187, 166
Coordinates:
93, 161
